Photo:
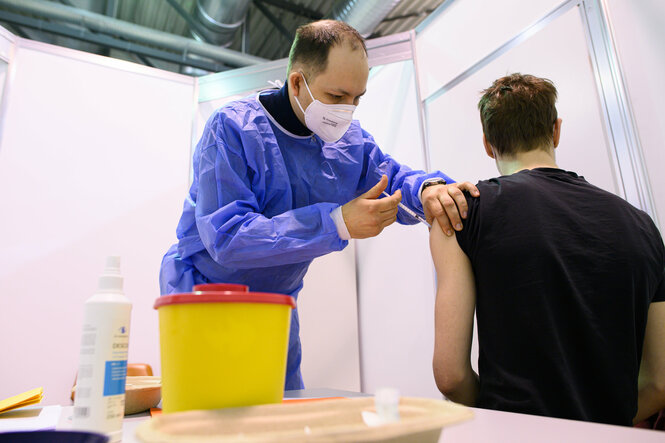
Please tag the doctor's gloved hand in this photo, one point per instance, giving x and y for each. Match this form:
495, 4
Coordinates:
447, 204
366, 216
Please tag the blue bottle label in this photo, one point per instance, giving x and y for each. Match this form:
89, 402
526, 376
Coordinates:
114, 377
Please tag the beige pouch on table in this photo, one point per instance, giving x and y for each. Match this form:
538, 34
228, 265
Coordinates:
421, 420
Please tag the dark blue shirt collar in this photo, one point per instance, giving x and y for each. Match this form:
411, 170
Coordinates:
278, 105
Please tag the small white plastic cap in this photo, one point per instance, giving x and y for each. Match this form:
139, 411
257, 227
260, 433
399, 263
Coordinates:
386, 402
111, 279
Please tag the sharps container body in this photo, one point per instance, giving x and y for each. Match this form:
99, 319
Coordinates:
223, 349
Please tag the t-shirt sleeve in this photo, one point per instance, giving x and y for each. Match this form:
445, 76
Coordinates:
659, 295
660, 290
467, 238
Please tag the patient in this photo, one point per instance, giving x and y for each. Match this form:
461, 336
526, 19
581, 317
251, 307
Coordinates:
566, 280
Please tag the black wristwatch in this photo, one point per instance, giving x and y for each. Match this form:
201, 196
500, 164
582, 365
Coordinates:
438, 181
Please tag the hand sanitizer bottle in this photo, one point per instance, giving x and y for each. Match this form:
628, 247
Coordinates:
99, 404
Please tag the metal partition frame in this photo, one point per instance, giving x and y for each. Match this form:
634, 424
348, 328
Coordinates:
7, 44
619, 125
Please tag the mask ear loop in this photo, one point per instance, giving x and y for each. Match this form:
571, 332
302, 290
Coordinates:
310, 92
305, 80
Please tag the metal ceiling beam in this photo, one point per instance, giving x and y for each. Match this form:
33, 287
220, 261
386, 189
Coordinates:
129, 31
245, 38
111, 8
296, 9
423, 13
270, 16
105, 40
17, 31
144, 60
363, 15
194, 26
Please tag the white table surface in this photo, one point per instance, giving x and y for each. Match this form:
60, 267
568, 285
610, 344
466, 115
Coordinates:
485, 426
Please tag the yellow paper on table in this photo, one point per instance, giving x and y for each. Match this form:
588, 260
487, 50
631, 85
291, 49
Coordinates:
31, 397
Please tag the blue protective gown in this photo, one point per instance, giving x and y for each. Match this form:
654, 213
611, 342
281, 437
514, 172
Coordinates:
258, 210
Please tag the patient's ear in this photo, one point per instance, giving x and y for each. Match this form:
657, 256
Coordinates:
557, 132
488, 148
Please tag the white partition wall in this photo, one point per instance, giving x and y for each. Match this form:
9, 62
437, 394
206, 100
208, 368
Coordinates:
395, 273
461, 32
568, 41
93, 162
557, 51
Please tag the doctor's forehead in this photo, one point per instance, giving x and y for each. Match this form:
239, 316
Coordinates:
347, 69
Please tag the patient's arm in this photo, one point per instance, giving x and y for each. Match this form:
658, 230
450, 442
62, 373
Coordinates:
651, 384
453, 319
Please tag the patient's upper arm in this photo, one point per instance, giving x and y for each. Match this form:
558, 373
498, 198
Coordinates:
454, 308
653, 353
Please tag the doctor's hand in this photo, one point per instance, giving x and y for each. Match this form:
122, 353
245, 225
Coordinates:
447, 204
366, 216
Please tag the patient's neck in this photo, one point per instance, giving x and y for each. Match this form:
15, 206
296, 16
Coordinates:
537, 158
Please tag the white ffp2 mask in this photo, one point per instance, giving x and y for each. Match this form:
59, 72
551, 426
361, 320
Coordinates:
330, 122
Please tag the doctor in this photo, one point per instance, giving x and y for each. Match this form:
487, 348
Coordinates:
285, 176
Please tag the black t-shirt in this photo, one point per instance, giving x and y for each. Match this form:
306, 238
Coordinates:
565, 273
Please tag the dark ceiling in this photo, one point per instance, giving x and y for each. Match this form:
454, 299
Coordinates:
267, 32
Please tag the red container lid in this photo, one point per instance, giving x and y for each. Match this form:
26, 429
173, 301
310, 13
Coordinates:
225, 297
217, 287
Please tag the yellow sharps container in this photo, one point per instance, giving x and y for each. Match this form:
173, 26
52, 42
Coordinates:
223, 349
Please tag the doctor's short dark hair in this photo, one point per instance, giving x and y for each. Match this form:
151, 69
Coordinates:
314, 40
518, 113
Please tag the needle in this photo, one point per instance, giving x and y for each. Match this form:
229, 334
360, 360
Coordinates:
410, 212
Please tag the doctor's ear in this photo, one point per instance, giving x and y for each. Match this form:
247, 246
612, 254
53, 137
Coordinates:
295, 81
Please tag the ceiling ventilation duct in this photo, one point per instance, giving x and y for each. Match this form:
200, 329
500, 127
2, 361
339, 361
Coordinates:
220, 19
129, 31
363, 15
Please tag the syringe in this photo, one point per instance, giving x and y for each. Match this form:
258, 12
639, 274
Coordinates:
410, 212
